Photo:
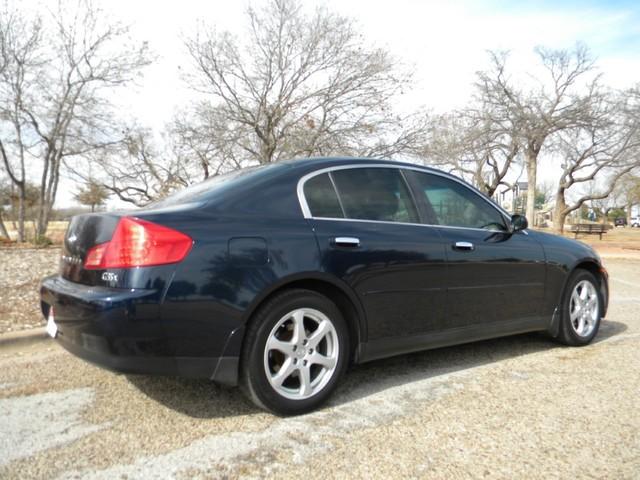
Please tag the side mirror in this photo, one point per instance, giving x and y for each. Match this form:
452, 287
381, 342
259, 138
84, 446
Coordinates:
519, 222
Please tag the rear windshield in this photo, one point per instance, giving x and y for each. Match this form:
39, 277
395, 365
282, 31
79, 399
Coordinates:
210, 188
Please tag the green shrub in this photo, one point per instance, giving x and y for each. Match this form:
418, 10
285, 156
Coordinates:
43, 241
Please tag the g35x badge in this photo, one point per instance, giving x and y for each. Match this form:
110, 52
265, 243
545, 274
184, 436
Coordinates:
110, 277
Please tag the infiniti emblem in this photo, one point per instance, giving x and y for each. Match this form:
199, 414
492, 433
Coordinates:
72, 238
72, 259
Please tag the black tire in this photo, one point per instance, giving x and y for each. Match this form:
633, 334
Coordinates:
567, 333
254, 381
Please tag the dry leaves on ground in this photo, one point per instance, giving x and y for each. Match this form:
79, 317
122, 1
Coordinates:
21, 270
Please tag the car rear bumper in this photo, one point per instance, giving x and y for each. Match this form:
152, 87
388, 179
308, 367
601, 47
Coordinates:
122, 330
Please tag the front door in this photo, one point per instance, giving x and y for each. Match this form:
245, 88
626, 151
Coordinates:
495, 278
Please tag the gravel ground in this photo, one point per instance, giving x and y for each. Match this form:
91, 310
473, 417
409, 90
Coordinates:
21, 270
518, 407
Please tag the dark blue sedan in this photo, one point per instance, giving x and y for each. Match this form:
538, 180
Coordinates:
277, 278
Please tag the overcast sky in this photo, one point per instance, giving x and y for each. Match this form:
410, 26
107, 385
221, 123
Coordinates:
444, 43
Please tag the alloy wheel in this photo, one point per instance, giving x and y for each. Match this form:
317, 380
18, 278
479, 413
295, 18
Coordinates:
301, 353
584, 308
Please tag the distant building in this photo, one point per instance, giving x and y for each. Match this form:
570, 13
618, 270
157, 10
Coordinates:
513, 200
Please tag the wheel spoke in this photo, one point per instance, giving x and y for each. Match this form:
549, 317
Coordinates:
285, 372
299, 333
575, 311
277, 344
316, 337
580, 326
584, 293
325, 361
576, 300
304, 374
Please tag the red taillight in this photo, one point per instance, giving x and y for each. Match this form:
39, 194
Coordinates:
138, 243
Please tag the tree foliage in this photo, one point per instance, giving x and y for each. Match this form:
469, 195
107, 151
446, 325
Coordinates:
295, 84
476, 144
605, 149
60, 72
93, 194
559, 98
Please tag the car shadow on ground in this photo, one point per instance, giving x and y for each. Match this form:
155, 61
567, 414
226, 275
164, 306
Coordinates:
374, 377
204, 399
195, 398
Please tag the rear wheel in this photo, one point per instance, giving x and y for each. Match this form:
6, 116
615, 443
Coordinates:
581, 309
296, 350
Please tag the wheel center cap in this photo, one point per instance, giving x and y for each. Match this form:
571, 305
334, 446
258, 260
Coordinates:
300, 352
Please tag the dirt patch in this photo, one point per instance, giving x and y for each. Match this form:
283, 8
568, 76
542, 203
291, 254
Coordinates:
21, 270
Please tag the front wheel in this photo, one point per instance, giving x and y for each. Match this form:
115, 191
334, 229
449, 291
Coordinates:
581, 309
296, 350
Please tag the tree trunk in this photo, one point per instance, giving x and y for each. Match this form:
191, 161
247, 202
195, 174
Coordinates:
3, 229
559, 212
628, 209
43, 220
22, 200
531, 159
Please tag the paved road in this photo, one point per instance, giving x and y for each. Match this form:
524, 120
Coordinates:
515, 407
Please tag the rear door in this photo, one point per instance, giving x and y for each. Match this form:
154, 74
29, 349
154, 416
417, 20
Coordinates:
369, 235
495, 278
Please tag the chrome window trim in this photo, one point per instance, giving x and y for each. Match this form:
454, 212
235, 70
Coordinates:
307, 213
386, 222
335, 190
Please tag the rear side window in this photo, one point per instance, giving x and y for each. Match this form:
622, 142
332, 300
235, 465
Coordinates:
322, 198
375, 194
455, 205
215, 186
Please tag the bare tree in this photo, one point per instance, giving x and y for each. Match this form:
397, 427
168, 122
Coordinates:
629, 187
294, 84
201, 139
64, 104
5, 200
474, 144
559, 99
607, 204
21, 60
607, 149
135, 172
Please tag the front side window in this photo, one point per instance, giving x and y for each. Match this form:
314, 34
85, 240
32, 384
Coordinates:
374, 194
452, 204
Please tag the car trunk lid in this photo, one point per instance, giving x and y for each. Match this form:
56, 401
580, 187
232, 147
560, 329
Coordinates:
83, 233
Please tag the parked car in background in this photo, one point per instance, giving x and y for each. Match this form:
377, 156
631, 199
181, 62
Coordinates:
277, 278
620, 222
635, 222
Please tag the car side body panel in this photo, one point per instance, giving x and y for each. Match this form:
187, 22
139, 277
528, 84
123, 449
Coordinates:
252, 239
563, 256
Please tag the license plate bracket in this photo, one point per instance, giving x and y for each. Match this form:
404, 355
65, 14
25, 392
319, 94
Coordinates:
52, 328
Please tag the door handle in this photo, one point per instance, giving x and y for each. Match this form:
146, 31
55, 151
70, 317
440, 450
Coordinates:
463, 246
346, 242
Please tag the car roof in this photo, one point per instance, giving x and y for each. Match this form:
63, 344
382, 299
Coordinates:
266, 186
324, 162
